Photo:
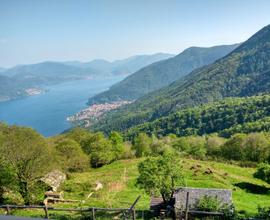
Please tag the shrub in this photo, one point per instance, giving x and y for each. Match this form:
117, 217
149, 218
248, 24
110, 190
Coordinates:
209, 204
263, 172
263, 212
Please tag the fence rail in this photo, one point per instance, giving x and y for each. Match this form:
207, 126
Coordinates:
126, 211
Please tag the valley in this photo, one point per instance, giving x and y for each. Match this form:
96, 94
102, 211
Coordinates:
135, 110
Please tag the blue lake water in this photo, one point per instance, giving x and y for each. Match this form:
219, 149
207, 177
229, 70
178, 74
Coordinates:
47, 112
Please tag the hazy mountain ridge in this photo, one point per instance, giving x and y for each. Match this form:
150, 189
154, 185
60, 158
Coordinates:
23, 77
10, 89
123, 66
243, 72
162, 73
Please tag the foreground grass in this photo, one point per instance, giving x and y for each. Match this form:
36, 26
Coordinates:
119, 185
120, 190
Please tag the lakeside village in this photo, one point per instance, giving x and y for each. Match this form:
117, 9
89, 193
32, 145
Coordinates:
93, 112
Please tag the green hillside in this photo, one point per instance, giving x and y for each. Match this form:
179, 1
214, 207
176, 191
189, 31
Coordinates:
162, 73
119, 189
244, 72
226, 117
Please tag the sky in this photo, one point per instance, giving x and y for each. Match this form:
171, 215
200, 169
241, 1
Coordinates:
33, 31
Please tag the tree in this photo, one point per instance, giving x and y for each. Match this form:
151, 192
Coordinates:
7, 179
234, 148
213, 145
117, 144
160, 175
256, 147
70, 155
27, 155
99, 149
142, 145
80, 135
191, 145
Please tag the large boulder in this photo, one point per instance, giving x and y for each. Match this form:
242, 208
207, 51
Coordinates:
54, 179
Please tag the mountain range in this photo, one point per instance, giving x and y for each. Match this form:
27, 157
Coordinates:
162, 73
243, 72
124, 66
23, 77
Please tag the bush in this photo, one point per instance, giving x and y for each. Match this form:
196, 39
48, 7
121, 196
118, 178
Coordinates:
263, 212
209, 204
263, 172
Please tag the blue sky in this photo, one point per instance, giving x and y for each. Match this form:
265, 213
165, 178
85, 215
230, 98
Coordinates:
38, 30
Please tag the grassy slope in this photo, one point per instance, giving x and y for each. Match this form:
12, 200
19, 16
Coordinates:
119, 189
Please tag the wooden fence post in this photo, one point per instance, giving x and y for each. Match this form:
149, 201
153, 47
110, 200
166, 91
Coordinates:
46, 212
187, 202
8, 210
133, 214
93, 213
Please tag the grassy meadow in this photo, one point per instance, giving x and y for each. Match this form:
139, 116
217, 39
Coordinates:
119, 186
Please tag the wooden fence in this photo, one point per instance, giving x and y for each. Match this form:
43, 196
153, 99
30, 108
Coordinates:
127, 212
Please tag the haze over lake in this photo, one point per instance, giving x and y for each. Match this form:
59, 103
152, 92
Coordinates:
47, 112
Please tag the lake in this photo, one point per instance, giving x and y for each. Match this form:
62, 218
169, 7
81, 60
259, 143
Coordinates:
47, 112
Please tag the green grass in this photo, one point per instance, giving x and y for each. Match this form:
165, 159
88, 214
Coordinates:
119, 180
120, 191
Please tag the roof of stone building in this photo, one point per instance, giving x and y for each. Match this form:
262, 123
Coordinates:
195, 194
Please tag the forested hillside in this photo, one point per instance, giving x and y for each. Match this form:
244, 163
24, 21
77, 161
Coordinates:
244, 72
229, 116
10, 89
162, 73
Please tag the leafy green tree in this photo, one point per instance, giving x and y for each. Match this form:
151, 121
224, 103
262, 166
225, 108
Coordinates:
191, 145
234, 148
161, 146
99, 149
80, 135
27, 155
7, 179
160, 175
117, 144
142, 145
70, 155
257, 147
213, 145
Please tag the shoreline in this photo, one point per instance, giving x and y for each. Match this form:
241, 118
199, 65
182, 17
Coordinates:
87, 116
